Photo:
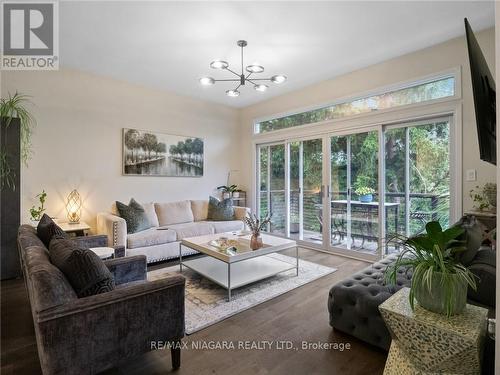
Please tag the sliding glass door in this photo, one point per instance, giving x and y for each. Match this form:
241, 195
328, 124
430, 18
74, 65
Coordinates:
354, 203
350, 192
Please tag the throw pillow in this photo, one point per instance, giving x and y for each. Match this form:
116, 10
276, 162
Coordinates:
134, 215
220, 210
473, 237
85, 271
47, 229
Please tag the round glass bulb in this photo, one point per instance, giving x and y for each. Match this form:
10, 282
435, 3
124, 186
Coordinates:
219, 64
280, 78
207, 81
254, 68
261, 87
233, 93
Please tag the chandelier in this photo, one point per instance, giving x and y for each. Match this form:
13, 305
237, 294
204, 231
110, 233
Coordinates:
243, 78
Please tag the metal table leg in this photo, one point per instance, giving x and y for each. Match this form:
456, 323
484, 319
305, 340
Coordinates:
229, 282
180, 256
297, 259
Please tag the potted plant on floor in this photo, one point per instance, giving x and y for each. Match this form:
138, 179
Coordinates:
439, 281
365, 194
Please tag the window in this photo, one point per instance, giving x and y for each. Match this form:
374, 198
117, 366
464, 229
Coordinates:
417, 93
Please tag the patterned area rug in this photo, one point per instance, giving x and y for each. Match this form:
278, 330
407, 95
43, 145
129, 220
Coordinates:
206, 302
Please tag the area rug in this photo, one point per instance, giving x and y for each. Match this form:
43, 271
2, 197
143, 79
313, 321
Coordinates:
206, 302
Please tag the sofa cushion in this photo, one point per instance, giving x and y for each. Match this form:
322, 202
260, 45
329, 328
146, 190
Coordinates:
220, 210
186, 230
473, 236
47, 229
200, 209
134, 215
227, 226
149, 210
174, 213
150, 237
85, 271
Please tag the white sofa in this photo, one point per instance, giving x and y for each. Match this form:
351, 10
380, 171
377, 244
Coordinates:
172, 221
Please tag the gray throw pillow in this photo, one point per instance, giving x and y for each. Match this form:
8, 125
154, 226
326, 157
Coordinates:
473, 236
134, 215
85, 271
220, 210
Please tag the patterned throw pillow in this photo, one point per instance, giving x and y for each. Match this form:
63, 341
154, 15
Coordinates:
134, 215
47, 229
220, 210
85, 271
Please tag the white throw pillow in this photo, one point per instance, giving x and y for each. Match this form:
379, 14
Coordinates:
200, 210
174, 213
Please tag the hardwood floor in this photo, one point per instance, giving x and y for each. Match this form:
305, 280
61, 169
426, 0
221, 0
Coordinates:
297, 316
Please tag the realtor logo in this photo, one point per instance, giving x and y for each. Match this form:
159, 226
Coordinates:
30, 39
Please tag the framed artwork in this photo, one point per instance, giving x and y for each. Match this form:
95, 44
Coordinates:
147, 153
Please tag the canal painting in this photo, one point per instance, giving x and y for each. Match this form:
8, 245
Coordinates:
147, 153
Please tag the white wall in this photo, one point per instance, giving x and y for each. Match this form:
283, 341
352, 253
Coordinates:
78, 140
422, 63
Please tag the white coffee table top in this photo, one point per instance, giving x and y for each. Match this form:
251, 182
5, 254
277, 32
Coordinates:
103, 252
271, 244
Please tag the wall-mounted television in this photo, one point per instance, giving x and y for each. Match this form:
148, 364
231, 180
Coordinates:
483, 89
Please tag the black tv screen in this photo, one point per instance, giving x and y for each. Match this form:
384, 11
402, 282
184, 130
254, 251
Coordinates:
483, 89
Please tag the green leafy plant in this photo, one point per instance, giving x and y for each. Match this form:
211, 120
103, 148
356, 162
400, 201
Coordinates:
364, 190
428, 255
14, 106
229, 189
36, 212
481, 196
256, 224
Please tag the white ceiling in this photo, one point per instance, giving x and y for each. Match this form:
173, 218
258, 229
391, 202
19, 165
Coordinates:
169, 45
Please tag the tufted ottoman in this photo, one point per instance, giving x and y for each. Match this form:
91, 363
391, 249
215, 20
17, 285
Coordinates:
353, 303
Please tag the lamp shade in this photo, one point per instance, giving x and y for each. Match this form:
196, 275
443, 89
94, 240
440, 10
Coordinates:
74, 207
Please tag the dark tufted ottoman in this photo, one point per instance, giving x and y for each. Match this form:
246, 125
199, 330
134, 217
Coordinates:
353, 303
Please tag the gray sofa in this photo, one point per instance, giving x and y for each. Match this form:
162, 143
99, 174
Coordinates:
91, 334
353, 303
172, 221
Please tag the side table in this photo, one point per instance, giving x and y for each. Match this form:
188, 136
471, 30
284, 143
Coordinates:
424, 342
80, 229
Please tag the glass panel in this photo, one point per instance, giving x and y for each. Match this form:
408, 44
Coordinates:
417, 93
277, 188
429, 175
295, 190
263, 177
339, 184
312, 156
354, 203
417, 178
364, 196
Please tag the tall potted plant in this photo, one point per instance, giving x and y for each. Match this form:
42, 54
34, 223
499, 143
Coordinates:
16, 125
439, 281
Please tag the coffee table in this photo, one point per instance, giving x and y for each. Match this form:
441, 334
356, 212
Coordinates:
232, 271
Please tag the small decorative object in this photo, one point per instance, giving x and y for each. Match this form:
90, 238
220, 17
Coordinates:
439, 282
73, 207
229, 191
37, 212
365, 194
256, 225
294, 223
484, 198
244, 77
145, 153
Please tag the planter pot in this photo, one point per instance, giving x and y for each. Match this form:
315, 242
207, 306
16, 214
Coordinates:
434, 300
34, 222
294, 228
255, 242
367, 198
226, 195
236, 194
